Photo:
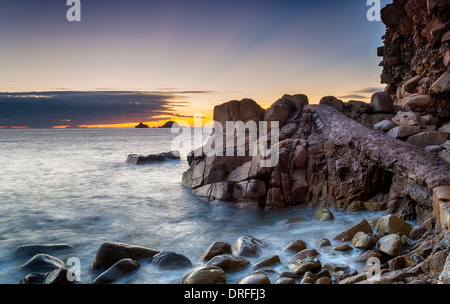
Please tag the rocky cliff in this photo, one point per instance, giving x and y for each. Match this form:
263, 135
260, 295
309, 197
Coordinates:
416, 55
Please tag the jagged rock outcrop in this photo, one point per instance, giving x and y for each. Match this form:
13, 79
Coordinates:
393, 152
326, 159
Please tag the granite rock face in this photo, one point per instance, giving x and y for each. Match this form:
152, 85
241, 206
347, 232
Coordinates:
326, 159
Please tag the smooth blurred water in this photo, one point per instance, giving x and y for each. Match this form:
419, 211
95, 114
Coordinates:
73, 186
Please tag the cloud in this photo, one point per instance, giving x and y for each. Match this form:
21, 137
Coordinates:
362, 94
354, 96
369, 90
47, 109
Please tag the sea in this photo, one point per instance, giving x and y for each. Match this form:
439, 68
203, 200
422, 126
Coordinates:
74, 186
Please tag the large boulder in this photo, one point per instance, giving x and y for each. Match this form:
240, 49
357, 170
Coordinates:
295, 246
323, 215
332, 102
228, 262
363, 240
280, 111
33, 249
391, 245
392, 224
205, 275
111, 252
382, 102
244, 110
417, 101
248, 246
42, 263
425, 139
301, 266
348, 234
117, 271
268, 262
407, 119
257, 278
171, 260
403, 131
216, 248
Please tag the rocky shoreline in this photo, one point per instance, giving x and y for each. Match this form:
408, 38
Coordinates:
405, 256
391, 155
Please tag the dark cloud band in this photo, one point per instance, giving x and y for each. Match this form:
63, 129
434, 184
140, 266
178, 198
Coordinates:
47, 109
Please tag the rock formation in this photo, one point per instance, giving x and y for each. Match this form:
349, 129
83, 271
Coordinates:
416, 55
392, 153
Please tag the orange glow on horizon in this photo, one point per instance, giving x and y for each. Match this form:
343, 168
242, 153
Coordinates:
14, 127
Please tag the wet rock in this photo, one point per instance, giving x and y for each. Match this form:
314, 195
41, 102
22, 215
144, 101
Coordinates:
171, 260
425, 139
300, 266
391, 245
295, 246
349, 233
381, 102
33, 249
305, 253
342, 247
366, 255
289, 274
285, 281
295, 220
392, 224
34, 278
364, 241
258, 278
323, 215
117, 271
205, 275
57, 276
42, 263
269, 262
323, 242
323, 281
216, 248
248, 246
355, 206
110, 253
354, 279
140, 159
228, 262
307, 280
375, 206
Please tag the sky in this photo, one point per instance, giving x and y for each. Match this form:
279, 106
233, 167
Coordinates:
158, 60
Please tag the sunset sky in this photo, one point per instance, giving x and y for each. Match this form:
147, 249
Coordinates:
153, 61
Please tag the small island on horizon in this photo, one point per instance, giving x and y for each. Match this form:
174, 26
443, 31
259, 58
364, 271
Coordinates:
166, 125
142, 126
